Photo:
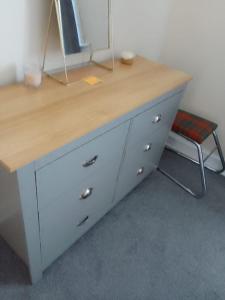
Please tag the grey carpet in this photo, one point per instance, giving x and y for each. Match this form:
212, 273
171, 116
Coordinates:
158, 244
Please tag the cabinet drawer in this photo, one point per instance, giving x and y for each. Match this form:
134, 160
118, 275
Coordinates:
141, 159
70, 217
161, 115
68, 171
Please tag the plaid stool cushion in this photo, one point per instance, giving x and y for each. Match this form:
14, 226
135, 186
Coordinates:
193, 127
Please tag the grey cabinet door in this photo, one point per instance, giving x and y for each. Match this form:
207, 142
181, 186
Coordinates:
73, 197
146, 141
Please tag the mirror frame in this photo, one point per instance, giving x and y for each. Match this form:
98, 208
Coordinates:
56, 4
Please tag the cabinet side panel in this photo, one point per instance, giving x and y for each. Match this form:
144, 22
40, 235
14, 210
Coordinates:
11, 219
28, 198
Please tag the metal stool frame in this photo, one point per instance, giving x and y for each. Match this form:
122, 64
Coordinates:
200, 162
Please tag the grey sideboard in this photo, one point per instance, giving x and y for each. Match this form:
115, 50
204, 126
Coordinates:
50, 203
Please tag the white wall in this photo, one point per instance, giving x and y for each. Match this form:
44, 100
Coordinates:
22, 26
195, 42
12, 46
138, 26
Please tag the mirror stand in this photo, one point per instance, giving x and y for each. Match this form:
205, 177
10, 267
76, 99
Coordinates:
63, 75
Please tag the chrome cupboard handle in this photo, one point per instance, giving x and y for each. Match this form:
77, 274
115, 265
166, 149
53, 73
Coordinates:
83, 221
91, 162
140, 171
87, 193
147, 147
157, 119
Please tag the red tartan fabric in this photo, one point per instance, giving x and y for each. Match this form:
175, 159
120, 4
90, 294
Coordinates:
193, 127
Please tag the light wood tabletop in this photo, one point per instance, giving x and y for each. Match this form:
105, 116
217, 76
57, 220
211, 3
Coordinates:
35, 122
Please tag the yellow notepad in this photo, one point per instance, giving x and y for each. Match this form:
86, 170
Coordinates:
92, 80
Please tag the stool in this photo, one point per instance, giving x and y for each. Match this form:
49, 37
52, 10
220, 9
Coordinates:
196, 130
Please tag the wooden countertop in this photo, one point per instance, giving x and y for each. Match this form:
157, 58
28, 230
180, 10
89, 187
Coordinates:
35, 122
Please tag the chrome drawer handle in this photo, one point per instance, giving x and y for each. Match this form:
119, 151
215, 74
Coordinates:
87, 193
147, 147
140, 171
90, 162
157, 119
83, 221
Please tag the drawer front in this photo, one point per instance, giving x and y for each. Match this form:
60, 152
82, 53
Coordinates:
141, 159
68, 171
159, 116
70, 217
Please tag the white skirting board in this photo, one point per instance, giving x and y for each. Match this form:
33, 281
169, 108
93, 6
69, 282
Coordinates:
176, 142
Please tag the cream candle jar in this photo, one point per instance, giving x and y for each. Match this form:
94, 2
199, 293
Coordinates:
33, 75
127, 57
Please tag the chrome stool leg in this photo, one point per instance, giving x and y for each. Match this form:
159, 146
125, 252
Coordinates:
202, 168
216, 139
202, 172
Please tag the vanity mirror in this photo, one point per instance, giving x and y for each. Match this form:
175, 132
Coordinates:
84, 26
